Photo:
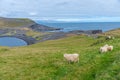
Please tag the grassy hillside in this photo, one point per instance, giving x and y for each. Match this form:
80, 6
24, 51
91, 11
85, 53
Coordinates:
44, 61
15, 22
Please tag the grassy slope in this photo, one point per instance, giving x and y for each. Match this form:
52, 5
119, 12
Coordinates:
44, 61
15, 22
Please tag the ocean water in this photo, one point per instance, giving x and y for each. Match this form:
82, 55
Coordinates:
104, 26
11, 42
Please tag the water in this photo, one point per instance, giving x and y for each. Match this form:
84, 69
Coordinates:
11, 41
105, 26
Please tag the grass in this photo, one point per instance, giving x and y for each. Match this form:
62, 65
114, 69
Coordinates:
14, 22
37, 35
44, 61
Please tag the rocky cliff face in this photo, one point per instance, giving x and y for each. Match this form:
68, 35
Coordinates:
86, 32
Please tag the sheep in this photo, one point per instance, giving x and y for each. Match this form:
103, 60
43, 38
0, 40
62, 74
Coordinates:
106, 48
71, 57
103, 49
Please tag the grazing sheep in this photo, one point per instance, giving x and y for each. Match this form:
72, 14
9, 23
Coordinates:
103, 49
72, 57
106, 48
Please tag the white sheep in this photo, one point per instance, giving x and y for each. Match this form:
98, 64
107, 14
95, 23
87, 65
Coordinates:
72, 57
106, 48
103, 49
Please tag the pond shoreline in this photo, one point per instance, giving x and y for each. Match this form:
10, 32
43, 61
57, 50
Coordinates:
28, 40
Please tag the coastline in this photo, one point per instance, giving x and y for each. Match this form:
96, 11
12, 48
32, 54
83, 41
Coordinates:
33, 32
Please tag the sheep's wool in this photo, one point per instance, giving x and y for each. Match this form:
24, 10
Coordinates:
71, 57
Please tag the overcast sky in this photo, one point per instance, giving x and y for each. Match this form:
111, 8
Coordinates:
61, 9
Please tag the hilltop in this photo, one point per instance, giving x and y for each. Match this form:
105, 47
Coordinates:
15, 22
23, 22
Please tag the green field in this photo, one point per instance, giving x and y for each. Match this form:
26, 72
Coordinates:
44, 61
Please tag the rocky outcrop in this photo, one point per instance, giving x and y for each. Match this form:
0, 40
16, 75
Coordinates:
41, 28
89, 32
93, 31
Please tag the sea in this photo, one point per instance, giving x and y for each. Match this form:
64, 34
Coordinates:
70, 26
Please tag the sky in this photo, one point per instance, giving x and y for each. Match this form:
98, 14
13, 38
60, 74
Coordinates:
62, 10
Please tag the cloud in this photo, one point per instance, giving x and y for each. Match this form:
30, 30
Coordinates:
62, 3
92, 19
60, 8
33, 13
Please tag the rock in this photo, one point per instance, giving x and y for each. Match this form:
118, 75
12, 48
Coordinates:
39, 28
89, 32
93, 31
77, 32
